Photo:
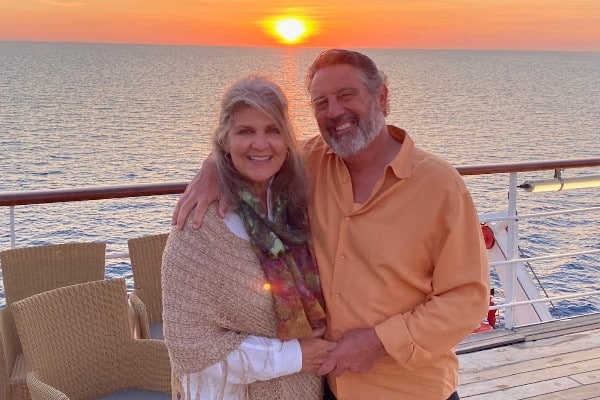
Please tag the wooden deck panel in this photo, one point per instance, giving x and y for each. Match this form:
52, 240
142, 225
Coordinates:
539, 362
501, 337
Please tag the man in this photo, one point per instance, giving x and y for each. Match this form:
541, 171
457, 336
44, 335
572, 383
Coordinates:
403, 267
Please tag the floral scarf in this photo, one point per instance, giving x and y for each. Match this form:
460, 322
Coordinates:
289, 267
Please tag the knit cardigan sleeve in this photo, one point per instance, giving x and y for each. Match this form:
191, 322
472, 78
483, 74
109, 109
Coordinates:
212, 295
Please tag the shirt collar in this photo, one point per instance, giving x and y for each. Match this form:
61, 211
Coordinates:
402, 164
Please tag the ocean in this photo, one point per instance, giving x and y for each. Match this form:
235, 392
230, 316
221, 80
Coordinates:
76, 115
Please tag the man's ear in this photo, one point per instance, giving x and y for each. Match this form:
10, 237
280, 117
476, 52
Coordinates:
384, 101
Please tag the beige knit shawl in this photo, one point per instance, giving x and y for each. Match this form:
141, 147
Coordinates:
213, 297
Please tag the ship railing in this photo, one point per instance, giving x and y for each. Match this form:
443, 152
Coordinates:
509, 216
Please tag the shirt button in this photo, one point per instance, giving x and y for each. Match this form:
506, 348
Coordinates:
345, 180
347, 218
342, 256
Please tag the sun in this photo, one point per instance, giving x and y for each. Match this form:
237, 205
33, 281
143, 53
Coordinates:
289, 29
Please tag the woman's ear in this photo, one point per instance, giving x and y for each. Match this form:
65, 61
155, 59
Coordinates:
224, 144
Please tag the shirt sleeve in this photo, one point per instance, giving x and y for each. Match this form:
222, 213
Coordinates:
257, 359
459, 300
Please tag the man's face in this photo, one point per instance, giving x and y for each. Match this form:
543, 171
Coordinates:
349, 117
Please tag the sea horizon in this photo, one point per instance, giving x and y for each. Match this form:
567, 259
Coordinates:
293, 47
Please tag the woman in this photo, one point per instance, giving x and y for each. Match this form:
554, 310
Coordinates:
243, 308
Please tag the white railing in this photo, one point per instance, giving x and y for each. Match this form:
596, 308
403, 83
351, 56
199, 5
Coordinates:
509, 216
512, 219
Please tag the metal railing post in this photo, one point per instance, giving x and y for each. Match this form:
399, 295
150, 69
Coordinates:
13, 235
512, 250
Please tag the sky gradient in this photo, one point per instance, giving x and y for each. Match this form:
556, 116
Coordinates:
572, 25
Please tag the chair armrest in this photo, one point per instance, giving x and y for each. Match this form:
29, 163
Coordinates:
140, 316
9, 342
42, 391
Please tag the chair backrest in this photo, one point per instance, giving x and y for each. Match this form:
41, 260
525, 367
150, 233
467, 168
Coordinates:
31, 270
145, 253
75, 337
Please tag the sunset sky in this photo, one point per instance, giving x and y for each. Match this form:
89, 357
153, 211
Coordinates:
414, 24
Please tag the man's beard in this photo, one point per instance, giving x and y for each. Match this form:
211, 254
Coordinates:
368, 128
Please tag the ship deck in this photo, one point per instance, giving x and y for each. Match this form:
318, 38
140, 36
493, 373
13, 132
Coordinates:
550, 361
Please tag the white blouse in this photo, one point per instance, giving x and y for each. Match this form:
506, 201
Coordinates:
256, 359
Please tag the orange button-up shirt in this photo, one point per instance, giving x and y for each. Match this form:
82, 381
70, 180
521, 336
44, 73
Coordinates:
410, 261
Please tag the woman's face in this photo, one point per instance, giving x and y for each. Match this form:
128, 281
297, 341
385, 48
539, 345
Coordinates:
257, 146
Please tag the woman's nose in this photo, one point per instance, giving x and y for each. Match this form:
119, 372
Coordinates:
260, 142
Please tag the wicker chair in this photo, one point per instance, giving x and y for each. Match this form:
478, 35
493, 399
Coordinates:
77, 340
145, 253
30, 270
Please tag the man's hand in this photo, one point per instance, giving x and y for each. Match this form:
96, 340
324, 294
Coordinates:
315, 350
199, 193
357, 351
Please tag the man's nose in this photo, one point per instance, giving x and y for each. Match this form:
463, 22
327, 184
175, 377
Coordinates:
334, 109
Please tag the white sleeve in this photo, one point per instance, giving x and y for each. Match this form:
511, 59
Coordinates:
257, 359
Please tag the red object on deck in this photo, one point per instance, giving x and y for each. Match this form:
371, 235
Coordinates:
488, 236
491, 315
491, 318
482, 327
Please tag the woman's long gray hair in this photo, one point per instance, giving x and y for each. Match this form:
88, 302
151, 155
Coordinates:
291, 181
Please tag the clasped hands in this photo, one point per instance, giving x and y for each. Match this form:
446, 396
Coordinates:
357, 351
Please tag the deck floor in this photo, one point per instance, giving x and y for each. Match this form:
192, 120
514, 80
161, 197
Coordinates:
551, 361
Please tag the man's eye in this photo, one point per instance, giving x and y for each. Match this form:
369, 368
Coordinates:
345, 96
320, 104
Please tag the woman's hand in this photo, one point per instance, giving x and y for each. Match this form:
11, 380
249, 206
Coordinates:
315, 350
